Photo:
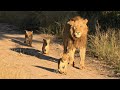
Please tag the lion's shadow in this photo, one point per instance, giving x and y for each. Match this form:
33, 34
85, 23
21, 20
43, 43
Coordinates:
20, 41
34, 52
48, 69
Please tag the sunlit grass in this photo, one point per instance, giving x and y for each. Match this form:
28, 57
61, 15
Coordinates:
106, 46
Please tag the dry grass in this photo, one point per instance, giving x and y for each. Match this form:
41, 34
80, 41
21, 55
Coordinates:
106, 46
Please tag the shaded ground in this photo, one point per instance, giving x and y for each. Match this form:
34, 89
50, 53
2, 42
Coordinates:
19, 61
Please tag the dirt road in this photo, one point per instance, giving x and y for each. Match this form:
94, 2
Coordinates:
18, 61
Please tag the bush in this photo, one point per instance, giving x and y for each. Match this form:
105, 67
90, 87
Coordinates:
22, 19
107, 19
106, 46
40, 21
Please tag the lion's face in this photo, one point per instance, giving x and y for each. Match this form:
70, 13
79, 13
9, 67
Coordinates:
62, 64
29, 33
77, 27
28, 37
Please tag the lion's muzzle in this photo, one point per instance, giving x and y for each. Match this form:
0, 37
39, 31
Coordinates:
77, 34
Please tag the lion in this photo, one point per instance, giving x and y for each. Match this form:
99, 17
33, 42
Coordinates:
46, 45
62, 63
28, 37
75, 37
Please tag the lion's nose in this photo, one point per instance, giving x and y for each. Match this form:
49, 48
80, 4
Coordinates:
63, 67
78, 33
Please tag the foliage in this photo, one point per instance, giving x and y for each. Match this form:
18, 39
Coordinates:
106, 46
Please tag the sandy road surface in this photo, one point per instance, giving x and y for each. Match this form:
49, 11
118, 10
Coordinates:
18, 61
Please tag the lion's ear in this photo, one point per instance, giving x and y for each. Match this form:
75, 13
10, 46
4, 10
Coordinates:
71, 23
86, 21
26, 31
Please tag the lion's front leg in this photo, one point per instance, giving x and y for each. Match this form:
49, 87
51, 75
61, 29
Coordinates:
82, 58
30, 42
71, 56
25, 40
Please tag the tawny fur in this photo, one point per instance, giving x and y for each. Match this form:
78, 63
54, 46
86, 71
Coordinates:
75, 37
28, 37
62, 64
46, 46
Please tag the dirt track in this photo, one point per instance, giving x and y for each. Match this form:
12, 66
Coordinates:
18, 61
